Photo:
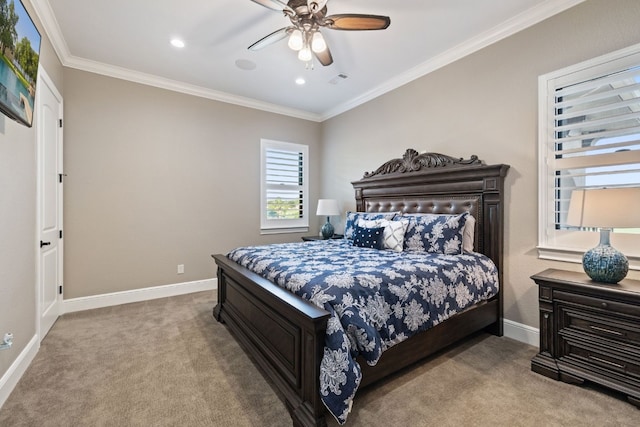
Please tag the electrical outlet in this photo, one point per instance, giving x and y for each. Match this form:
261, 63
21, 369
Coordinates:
180, 268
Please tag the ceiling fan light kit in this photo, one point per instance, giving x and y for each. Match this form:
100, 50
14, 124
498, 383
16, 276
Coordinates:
295, 40
307, 17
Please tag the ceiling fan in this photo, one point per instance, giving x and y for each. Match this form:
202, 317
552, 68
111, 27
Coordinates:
307, 17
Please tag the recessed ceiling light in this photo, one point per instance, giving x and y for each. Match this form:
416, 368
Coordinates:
300, 81
177, 43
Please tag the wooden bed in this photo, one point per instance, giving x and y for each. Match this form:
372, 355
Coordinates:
285, 334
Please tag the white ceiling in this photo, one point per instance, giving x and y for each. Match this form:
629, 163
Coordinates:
130, 39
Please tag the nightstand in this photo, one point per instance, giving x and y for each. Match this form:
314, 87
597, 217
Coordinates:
589, 331
310, 238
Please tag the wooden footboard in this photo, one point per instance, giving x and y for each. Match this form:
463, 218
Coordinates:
283, 333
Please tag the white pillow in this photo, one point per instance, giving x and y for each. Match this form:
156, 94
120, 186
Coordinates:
393, 233
467, 234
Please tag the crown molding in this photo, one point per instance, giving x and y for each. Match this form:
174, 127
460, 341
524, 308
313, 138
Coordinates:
52, 29
518, 23
185, 88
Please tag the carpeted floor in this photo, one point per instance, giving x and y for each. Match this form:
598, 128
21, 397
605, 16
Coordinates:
167, 362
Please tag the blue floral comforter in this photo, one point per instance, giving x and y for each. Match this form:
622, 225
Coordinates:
376, 298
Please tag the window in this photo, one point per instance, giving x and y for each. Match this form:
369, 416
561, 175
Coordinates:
284, 201
589, 138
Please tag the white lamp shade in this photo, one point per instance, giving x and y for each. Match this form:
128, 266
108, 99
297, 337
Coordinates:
317, 42
296, 41
304, 54
605, 208
328, 207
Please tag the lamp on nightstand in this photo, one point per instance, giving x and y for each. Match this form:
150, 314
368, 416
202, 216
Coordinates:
606, 209
328, 208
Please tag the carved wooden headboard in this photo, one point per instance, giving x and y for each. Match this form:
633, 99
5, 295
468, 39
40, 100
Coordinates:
437, 183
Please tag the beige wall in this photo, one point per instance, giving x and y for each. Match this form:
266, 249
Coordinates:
156, 178
18, 220
484, 104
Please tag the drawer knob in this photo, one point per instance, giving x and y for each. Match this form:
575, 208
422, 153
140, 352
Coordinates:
604, 305
546, 315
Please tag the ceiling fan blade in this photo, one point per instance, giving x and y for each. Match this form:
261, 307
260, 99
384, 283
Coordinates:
316, 6
272, 38
324, 57
276, 5
357, 22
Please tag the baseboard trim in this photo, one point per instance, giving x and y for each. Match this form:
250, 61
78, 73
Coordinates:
10, 378
137, 295
520, 332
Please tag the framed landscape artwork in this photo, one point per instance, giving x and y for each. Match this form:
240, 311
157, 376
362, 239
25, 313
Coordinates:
19, 57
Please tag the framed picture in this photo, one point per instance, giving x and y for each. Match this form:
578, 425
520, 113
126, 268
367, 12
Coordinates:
19, 58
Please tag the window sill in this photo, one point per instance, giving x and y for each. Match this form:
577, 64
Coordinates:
284, 230
574, 256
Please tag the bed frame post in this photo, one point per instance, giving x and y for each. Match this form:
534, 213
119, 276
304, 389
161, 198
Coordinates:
282, 333
493, 210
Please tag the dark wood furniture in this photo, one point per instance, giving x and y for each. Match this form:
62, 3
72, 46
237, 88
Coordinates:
285, 334
311, 238
589, 331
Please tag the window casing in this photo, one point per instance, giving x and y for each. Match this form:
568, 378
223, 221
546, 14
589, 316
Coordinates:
589, 137
284, 187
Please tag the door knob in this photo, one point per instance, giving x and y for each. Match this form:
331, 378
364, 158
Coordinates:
44, 243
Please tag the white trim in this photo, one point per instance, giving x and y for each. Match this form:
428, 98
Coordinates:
521, 332
186, 88
518, 23
552, 244
273, 226
575, 256
266, 231
17, 369
137, 295
508, 28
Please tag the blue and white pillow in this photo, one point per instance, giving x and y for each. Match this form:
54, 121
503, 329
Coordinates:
393, 235
368, 237
441, 234
353, 217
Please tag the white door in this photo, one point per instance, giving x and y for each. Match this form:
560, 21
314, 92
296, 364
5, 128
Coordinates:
48, 121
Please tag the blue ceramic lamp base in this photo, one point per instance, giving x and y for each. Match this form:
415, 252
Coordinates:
327, 230
604, 263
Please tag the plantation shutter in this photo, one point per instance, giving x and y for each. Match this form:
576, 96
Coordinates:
284, 187
284, 181
596, 135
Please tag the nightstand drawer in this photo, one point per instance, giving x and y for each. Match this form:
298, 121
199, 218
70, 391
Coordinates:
599, 358
607, 306
613, 328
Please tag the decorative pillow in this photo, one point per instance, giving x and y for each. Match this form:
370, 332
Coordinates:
435, 233
468, 234
368, 237
393, 235
353, 217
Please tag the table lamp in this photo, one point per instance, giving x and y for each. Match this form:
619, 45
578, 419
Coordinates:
328, 208
605, 209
